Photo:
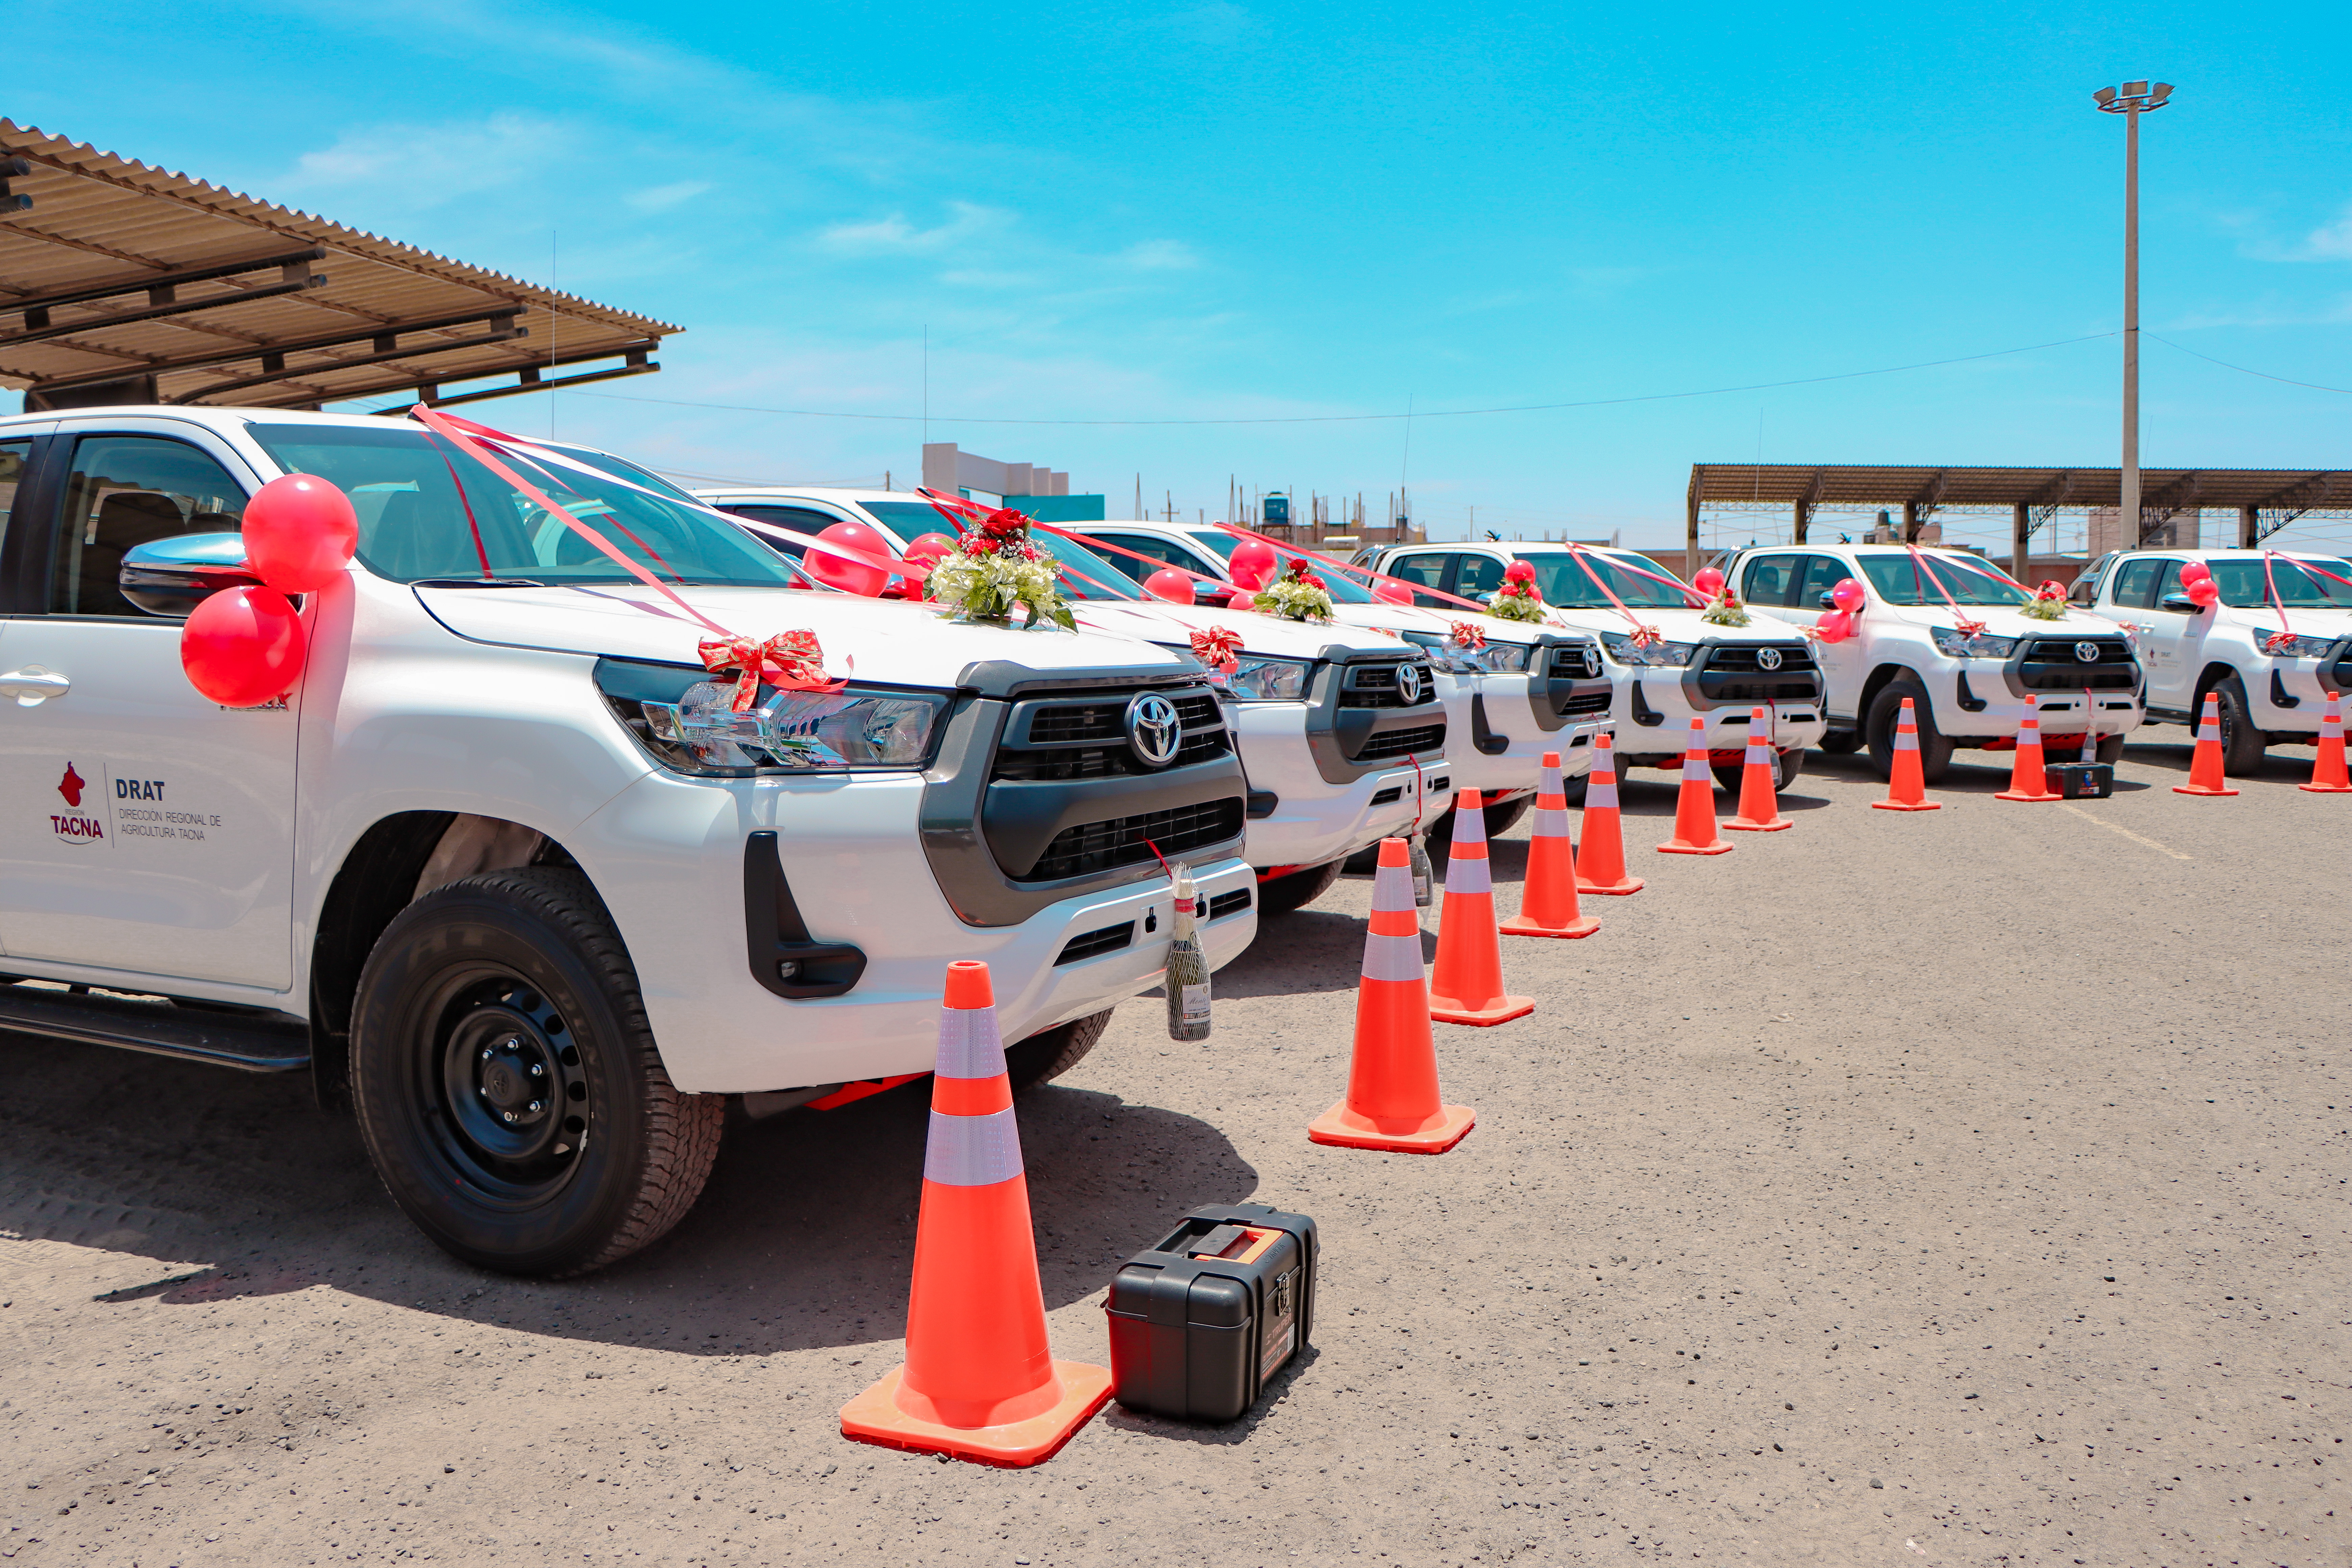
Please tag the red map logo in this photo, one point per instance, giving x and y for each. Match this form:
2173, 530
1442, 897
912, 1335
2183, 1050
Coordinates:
70, 786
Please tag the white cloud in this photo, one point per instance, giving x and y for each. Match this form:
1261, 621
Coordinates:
430, 165
895, 236
1160, 256
661, 198
2332, 242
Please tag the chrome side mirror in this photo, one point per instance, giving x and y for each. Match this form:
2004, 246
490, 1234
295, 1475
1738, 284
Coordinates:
171, 576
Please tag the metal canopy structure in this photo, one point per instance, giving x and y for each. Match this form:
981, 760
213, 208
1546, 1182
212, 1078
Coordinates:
2265, 499
121, 282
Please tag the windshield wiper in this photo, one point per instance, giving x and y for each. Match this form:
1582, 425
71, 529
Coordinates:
477, 583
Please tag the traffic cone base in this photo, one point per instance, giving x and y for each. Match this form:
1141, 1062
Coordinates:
1906, 806
1521, 925
1432, 1134
2200, 789
1777, 824
2011, 795
1617, 889
2325, 789
1678, 847
1496, 1010
874, 1417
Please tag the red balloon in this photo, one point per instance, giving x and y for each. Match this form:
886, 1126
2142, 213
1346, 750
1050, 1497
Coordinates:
299, 532
2204, 591
929, 550
2195, 572
242, 647
1389, 591
1834, 626
840, 571
1254, 564
1708, 581
1848, 594
1243, 599
1519, 571
1170, 585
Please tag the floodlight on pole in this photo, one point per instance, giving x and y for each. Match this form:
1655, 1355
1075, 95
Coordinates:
2132, 100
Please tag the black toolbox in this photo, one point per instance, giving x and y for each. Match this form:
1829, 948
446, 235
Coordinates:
2080, 781
1200, 1321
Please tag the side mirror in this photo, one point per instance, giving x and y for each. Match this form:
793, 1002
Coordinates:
2181, 603
171, 576
1828, 600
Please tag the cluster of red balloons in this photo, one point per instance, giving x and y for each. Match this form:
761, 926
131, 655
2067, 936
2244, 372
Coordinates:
1253, 564
1839, 623
1389, 591
1708, 581
1169, 583
244, 647
2196, 582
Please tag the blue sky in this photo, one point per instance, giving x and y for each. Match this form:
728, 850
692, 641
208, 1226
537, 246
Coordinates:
1221, 211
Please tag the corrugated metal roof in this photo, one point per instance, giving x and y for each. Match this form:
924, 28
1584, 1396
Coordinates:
298, 312
1755, 486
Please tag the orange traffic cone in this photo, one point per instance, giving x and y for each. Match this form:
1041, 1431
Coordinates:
1601, 853
1695, 810
2205, 763
1392, 1099
1759, 804
1905, 789
980, 1380
2028, 776
1466, 986
2326, 773
1547, 898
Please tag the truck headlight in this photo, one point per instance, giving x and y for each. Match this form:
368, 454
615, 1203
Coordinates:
1256, 679
1446, 654
1504, 658
1655, 655
686, 722
1952, 645
2282, 646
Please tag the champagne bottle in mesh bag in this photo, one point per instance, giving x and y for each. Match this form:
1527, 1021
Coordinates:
1422, 870
1188, 969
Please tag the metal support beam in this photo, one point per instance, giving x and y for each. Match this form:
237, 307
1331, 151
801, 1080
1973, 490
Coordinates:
2250, 527
285, 261
500, 318
2021, 539
1911, 522
639, 362
1690, 521
154, 313
278, 372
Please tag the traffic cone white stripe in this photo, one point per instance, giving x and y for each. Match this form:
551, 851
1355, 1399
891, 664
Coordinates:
1394, 958
1600, 785
1550, 819
1759, 752
972, 1150
2208, 725
1907, 740
1694, 766
1470, 827
1469, 876
970, 1046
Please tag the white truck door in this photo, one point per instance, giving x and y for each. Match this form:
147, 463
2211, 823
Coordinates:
151, 829
2173, 645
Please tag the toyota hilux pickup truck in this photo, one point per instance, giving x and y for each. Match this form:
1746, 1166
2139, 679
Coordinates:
1512, 691
509, 868
1692, 669
1344, 731
2273, 647
1947, 629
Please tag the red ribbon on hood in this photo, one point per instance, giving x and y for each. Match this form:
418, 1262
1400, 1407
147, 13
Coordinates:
1464, 635
790, 661
1219, 648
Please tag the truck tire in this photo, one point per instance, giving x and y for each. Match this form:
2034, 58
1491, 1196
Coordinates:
1288, 895
507, 1083
2242, 745
2111, 749
1934, 752
1786, 766
1500, 819
1042, 1058
1841, 742
1576, 786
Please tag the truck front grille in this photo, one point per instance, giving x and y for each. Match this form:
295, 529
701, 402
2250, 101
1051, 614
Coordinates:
2049, 665
1122, 840
1577, 704
1375, 685
1087, 740
1427, 741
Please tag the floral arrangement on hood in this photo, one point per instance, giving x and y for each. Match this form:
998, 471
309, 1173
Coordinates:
2048, 603
1724, 609
994, 567
1298, 593
1517, 599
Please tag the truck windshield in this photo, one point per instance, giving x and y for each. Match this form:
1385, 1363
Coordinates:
1345, 590
427, 509
1569, 587
2242, 586
1085, 574
1902, 580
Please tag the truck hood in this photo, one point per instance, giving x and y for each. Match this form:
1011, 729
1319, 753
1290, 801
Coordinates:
1999, 623
1679, 625
1273, 635
1401, 618
883, 640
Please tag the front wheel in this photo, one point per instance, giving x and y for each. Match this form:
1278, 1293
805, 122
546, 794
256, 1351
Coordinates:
1042, 1058
506, 1082
1841, 742
1289, 894
2111, 749
2243, 744
1885, 710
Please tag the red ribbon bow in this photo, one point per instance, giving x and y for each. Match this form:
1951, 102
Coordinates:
1464, 635
1218, 647
1643, 636
790, 661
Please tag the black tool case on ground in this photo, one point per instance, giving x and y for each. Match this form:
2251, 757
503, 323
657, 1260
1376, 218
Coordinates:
2080, 781
1199, 1322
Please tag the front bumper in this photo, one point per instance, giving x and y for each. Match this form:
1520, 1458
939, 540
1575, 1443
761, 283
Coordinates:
1654, 719
1974, 705
1495, 743
667, 856
1307, 821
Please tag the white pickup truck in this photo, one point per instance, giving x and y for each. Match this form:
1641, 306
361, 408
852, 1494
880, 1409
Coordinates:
504, 868
1345, 732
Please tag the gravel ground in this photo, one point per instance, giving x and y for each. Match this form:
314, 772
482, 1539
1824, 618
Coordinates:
1951, 1188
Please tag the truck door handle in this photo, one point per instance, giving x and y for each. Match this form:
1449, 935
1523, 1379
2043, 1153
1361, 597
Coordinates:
33, 686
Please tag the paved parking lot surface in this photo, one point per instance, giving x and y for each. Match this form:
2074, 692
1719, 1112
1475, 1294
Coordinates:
1964, 1187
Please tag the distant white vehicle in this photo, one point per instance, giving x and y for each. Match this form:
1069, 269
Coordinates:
2074, 675
2273, 647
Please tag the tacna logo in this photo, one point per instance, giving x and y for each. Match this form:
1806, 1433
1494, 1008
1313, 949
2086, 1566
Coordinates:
71, 825
71, 786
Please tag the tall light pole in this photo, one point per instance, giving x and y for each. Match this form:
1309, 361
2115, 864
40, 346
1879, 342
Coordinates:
2132, 100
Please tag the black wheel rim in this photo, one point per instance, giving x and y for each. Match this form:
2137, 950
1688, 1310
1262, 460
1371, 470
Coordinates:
505, 1093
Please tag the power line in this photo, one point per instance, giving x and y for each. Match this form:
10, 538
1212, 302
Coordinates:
2241, 370
1362, 418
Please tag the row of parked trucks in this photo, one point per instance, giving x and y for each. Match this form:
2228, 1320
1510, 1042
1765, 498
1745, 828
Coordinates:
506, 879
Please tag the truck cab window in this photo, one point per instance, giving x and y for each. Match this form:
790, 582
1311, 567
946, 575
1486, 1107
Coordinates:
1480, 575
14, 455
1769, 578
128, 490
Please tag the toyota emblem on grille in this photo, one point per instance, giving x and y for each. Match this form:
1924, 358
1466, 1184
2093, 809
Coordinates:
1154, 729
2088, 652
1768, 659
1409, 685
